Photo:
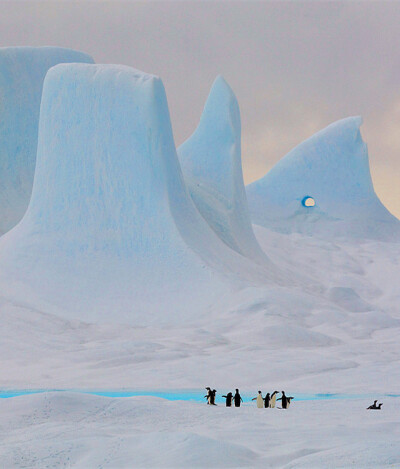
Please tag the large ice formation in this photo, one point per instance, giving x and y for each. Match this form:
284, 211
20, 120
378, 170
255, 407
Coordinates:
22, 71
111, 232
323, 186
212, 168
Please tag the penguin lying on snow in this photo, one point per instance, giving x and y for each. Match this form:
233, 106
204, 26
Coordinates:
374, 406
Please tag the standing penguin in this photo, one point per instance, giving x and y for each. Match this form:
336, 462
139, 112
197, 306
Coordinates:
285, 400
260, 400
272, 401
229, 399
212, 397
267, 400
237, 398
207, 396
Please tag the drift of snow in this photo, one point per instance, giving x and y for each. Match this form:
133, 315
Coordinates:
332, 168
212, 167
22, 71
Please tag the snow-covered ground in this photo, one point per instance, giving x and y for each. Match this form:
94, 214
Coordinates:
114, 280
337, 330
76, 430
336, 333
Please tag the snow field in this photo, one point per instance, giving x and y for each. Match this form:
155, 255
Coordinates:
81, 431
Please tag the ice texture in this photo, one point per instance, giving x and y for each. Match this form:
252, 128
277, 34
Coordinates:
212, 168
110, 228
331, 167
22, 71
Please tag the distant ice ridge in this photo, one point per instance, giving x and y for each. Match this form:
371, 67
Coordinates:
22, 71
331, 169
212, 168
111, 233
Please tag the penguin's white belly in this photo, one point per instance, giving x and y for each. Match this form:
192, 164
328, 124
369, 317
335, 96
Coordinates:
260, 401
272, 401
288, 404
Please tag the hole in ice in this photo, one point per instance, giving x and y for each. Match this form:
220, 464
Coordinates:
308, 201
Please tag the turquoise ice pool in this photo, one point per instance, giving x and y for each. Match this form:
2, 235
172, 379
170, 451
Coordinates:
191, 395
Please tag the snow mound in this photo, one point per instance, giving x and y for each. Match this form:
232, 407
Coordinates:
323, 186
212, 167
110, 232
22, 71
348, 299
296, 337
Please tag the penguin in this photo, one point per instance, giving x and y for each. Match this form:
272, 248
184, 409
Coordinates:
237, 398
207, 396
285, 400
272, 401
267, 400
229, 399
260, 400
374, 406
212, 397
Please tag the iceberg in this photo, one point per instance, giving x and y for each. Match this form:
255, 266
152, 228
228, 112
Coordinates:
323, 186
212, 168
22, 71
111, 233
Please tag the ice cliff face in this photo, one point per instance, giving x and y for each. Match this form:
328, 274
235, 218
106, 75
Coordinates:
331, 171
110, 228
22, 71
212, 167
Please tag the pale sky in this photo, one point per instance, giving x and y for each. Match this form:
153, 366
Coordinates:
295, 67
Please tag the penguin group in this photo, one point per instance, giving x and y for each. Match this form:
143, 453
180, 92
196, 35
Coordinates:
269, 401
230, 398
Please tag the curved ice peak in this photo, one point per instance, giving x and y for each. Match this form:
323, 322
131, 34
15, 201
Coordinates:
110, 228
212, 167
22, 71
332, 167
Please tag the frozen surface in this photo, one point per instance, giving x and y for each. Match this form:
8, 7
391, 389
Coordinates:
73, 430
113, 280
332, 167
22, 71
111, 233
341, 336
212, 167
